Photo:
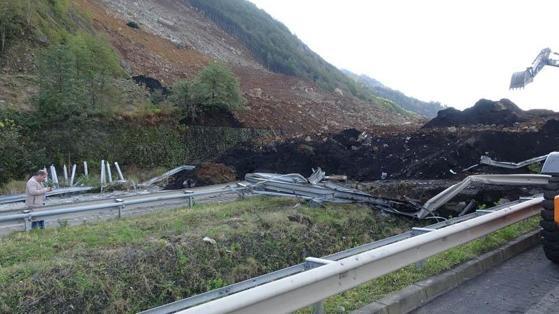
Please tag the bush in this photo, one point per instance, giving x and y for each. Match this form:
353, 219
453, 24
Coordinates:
12, 151
217, 87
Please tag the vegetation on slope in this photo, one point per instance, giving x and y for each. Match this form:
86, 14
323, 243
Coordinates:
426, 109
137, 263
273, 45
83, 95
215, 87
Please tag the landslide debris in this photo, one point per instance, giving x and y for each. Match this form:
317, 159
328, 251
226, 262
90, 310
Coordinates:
423, 154
486, 112
206, 173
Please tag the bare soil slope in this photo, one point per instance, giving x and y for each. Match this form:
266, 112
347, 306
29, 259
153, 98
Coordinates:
175, 41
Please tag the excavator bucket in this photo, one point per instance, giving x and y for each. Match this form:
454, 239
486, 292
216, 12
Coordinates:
520, 79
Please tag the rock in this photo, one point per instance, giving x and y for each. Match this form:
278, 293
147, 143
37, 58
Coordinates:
339, 92
42, 39
133, 24
256, 92
209, 240
308, 139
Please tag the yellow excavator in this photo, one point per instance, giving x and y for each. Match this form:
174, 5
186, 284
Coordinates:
550, 211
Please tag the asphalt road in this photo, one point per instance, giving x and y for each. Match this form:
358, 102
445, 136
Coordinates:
527, 283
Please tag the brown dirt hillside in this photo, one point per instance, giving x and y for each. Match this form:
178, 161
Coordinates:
175, 41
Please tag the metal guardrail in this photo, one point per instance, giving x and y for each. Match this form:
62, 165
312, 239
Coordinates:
486, 160
6, 199
120, 204
493, 179
314, 280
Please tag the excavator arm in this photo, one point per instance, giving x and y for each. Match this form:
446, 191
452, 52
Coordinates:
521, 79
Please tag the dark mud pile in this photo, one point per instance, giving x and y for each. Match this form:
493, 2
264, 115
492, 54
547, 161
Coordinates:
425, 154
206, 173
485, 112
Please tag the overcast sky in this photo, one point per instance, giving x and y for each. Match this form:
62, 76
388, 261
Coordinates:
448, 51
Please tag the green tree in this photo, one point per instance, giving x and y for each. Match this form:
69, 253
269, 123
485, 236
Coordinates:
11, 151
59, 88
75, 81
181, 96
217, 87
12, 22
75, 77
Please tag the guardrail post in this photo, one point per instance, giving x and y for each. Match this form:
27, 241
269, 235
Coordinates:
417, 231
121, 207
27, 220
190, 198
318, 308
85, 170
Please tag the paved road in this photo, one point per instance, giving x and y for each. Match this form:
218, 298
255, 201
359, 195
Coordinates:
528, 283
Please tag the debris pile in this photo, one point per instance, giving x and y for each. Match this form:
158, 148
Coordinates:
503, 112
424, 154
209, 173
187, 176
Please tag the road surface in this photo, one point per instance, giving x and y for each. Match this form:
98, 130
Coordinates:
527, 283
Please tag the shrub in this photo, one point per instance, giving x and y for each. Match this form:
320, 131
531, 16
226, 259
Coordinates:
216, 86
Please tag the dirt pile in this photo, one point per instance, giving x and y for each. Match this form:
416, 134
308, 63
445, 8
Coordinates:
424, 154
551, 127
503, 112
206, 173
214, 173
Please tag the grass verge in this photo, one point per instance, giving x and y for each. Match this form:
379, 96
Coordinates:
137, 263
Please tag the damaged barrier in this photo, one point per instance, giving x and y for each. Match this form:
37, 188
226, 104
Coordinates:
317, 191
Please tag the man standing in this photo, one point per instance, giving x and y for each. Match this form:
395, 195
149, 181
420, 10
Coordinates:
35, 190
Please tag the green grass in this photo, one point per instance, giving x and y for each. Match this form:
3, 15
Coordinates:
137, 263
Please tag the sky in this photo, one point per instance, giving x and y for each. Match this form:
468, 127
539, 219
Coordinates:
454, 52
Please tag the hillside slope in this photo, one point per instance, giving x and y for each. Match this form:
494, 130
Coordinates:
176, 38
423, 108
71, 74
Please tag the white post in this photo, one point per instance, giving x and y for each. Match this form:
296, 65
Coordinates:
120, 176
85, 171
54, 175
73, 176
45, 170
102, 177
110, 175
65, 171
